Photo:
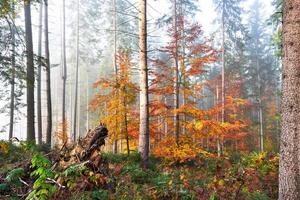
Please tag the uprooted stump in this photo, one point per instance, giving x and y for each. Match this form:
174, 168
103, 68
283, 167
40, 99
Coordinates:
86, 149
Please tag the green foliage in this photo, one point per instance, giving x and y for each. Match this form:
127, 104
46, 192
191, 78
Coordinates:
42, 188
71, 174
137, 174
100, 195
258, 196
13, 177
4, 187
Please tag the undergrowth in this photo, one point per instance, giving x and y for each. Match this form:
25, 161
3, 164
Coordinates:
243, 176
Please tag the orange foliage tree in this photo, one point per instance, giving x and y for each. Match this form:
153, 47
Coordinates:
196, 124
117, 98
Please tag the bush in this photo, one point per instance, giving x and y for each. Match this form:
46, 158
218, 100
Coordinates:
258, 196
100, 194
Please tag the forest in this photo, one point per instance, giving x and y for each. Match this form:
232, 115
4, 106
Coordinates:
149, 99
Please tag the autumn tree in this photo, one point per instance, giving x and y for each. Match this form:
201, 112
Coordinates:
117, 97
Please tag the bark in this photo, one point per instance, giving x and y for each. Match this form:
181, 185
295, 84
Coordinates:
144, 97
76, 76
176, 84
39, 79
12, 86
29, 72
289, 164
48, 77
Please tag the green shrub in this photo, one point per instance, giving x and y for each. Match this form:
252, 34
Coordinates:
42, 188
258, 196
100, 194
137, 174
13, 177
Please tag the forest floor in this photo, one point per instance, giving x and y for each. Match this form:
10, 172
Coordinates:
27, 172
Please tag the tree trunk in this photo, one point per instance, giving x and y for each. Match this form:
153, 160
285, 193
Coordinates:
289, 164
76, 75
12, 86
48, 77
29, 73
39, 79
223, 74
176, 84
64, 69
115, 145
144, 97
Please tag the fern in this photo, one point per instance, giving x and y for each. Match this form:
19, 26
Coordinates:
42, 189
13, 177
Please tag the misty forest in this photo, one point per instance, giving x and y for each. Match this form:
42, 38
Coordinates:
150, 99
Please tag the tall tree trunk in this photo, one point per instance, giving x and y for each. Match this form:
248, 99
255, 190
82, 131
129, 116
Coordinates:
29, 73
176, 84
115, 145
48, 77
289, 163
222, 75
144, 96
76, 75
12, 86
64, 69
39, 79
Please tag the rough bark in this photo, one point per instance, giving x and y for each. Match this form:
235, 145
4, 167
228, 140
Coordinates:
289, 164
39, 78
48, 77
29, 72
144, 97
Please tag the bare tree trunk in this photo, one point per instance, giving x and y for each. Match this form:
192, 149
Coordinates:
39, 79
289, 163
30, 72
176, 84
218, 137
115, 145
144, 96
12, 86
76, 75
223, 73
48, 77
64, 69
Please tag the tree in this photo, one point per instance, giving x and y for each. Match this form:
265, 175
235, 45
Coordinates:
144, 95
176, 72
64, 67
117, 97
76, 75
13, 68
48, 77
260, 77
232, 32
39, 78
289, 169
30, 72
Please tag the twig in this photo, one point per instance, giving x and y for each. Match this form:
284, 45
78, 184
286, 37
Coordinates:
54, 181
23, 182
